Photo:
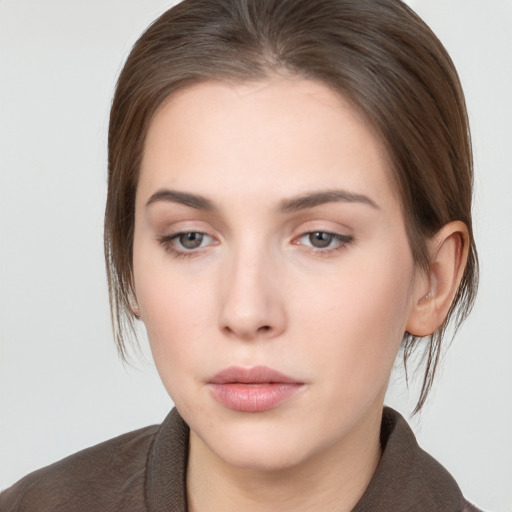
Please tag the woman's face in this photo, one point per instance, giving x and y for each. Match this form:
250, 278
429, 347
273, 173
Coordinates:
272, 268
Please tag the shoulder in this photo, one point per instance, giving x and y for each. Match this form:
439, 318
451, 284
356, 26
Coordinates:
107, 476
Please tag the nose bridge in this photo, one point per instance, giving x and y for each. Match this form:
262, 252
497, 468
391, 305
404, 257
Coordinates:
252, 305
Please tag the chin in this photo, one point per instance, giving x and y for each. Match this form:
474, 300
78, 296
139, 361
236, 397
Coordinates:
260, 455
260, 442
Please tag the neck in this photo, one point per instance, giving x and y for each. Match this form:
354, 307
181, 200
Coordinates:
334, 479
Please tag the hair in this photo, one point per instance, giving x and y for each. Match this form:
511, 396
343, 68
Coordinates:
378, 54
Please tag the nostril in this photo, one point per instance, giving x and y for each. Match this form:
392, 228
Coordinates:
248, 333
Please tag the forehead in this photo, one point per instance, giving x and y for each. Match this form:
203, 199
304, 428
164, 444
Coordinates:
278, 136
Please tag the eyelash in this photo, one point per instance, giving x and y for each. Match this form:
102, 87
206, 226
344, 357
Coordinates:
343, 241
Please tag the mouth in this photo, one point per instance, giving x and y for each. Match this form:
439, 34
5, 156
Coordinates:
255, 389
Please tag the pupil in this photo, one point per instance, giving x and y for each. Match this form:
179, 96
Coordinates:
320, 239
191, 240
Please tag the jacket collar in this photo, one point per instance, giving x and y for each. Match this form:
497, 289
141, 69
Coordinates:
407, 478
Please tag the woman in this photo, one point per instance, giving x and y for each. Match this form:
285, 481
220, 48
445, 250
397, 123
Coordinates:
289, 203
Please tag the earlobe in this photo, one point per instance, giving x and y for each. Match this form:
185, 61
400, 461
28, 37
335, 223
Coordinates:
437, 286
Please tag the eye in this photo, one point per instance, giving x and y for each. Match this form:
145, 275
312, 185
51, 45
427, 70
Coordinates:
191, 240
184, 243
318, 240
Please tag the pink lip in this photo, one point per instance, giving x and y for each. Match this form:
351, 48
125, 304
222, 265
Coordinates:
255, 389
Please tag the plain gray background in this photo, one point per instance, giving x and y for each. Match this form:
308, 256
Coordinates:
62, 387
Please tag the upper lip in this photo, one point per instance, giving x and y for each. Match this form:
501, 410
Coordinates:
252, 375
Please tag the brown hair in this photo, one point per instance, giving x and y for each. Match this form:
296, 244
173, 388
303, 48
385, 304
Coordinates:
377, 53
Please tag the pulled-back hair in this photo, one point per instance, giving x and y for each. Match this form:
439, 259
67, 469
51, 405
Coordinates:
378, 54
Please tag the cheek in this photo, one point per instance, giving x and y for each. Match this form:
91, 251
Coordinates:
177, 309
172, 315
173, 308
175, 322
357, 320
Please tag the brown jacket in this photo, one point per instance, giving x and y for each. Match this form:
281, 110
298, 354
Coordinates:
144, 471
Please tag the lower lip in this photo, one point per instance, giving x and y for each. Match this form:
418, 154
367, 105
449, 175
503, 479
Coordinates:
253, 397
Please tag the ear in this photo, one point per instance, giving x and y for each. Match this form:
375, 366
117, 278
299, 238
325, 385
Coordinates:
436, 287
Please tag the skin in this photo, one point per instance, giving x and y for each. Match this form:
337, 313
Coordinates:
256, 292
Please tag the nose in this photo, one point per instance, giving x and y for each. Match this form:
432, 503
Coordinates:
252, 305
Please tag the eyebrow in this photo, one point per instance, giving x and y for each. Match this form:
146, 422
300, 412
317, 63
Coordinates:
173, 196
328, 196
293, 204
